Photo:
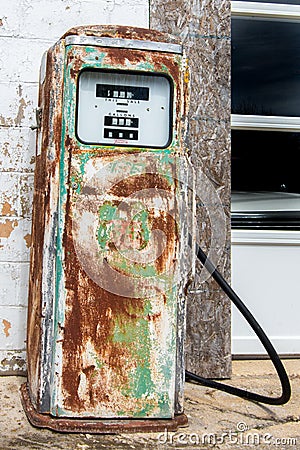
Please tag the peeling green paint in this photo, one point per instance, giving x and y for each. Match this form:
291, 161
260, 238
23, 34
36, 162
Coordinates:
166, 164
135, 168
83, 158
136, 270
136, 335
110, 222
164, 404
142, 217
100, 364
78, 176
59, 286
107, 213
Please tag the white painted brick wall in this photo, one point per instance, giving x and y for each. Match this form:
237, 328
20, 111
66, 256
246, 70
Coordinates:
27, 29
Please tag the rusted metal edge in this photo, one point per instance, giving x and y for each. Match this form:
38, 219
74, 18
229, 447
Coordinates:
126, 32
97, 426
132, 44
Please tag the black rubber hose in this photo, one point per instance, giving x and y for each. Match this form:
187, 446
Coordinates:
285, 383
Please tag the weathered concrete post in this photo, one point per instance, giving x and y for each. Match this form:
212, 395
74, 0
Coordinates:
204, 28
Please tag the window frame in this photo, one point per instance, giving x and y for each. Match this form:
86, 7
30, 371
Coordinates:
272, 11
265, 10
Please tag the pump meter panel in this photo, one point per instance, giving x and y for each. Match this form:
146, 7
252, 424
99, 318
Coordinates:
124, 109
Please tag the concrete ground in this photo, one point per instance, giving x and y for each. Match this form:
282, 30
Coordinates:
216, 419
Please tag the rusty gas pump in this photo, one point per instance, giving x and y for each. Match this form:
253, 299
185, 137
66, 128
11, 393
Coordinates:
106, 299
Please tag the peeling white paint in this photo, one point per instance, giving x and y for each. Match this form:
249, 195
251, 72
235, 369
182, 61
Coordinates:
17, 150
13, 247
12, 321
18, 101
26, 62
14, 283
16, 195
51, 18
12, 362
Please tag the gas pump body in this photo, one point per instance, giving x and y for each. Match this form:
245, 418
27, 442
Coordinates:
106, 311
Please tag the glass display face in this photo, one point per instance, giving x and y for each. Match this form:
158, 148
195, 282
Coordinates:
265, 67
122, 92
124, 109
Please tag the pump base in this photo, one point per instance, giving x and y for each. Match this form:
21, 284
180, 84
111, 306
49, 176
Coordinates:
97, 426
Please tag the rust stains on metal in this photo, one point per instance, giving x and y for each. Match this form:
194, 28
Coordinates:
40, 201
70, 143
97, 425
119, 56
43, 222
91, 359
136, 183
51, 122
149, 184
167, 224
98, 364
75, 61
100, 331
155, 61
117, 31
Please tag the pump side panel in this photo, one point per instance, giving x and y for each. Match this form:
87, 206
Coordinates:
117, 263
42, 258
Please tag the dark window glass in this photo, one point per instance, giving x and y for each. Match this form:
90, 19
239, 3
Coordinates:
265, 67
265, 161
